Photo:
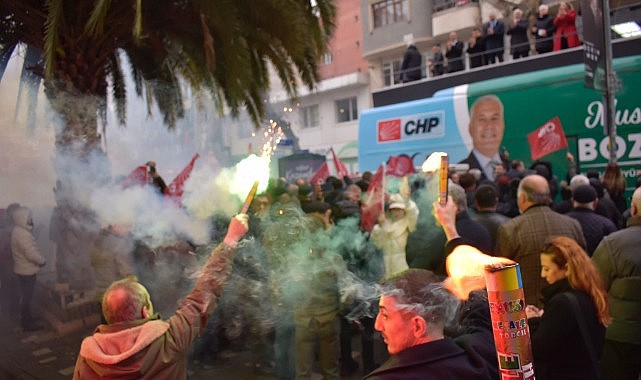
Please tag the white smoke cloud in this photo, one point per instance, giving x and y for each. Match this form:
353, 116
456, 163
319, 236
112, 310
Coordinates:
27, 173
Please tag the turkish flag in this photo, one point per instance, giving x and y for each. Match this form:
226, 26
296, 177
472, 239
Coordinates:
341, 168
175, 188
374, 201
321, 174
547, 138
138, 177
400, 166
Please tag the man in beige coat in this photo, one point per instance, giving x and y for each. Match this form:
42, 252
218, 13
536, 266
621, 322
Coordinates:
27, 262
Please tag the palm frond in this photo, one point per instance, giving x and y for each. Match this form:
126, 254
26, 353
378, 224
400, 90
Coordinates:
96, 24
137, 30
52, 24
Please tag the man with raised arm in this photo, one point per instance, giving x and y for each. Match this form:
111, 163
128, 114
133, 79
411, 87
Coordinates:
135, 342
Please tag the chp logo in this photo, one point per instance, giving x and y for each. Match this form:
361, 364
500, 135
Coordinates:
547, 138
411, 127
388, 130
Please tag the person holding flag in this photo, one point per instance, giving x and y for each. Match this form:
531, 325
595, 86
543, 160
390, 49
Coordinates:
391, 232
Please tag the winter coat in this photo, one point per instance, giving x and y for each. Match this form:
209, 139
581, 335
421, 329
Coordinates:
518, 37
455, 58
565, 27
544, 43
619, 262
391, 237
557, 334
27, 259
411, 65
151, 348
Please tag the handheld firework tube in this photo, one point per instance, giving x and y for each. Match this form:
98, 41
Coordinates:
442, 183
509, 321
250, 197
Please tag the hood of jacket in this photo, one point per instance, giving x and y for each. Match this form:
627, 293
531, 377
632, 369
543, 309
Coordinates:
110, 347
21, 217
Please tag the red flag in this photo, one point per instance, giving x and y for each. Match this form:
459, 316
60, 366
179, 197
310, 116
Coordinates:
321, 174
547, 138
400, 166
138, 177
341, 168
175, 188
374, 201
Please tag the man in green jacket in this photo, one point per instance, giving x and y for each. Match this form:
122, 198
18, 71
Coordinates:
619, 260
135, 342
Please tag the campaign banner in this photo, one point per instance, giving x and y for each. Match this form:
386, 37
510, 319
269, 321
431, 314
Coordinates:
593, 43
416, 129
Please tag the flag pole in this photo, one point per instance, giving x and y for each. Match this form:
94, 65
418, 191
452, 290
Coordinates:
384, 187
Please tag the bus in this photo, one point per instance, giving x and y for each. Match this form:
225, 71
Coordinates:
530, 100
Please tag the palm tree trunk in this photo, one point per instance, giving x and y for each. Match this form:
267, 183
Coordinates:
81, 166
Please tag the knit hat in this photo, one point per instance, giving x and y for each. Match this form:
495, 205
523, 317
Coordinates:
584, 194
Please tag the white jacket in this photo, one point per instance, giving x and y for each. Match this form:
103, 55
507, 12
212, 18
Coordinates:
26, 255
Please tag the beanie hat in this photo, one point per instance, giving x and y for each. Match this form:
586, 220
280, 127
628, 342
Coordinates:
584, 194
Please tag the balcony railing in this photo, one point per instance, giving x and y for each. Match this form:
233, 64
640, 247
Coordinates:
441, 5
467, 58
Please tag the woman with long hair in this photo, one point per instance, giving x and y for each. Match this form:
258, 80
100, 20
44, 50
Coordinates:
614, 181
565, 35
558, 344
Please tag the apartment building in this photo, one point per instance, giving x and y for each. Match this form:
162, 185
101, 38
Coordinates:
327, 116
364, 59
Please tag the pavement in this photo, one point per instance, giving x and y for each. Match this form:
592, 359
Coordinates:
45, 355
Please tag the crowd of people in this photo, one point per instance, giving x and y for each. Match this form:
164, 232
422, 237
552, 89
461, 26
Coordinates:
486, 44
298, 276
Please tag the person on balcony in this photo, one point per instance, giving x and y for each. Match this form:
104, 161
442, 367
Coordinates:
493, 32
411, 66
454, 54
519, 43
565, 35
543, 30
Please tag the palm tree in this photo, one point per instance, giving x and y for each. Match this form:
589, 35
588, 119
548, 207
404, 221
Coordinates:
223, 47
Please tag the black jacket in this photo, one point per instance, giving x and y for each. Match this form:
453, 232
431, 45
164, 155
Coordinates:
455, 57
518, 37
411, 66
544, 44
557, 344
471, 355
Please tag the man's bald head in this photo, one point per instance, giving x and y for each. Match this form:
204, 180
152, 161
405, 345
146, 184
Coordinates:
533, 190
635, 208
125, 300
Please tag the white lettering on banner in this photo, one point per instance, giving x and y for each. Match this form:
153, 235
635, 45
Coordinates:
596, 115
588, 147
635, 152
619, 143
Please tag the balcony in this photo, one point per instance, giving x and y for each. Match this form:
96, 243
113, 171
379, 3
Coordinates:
455, 15
426, 87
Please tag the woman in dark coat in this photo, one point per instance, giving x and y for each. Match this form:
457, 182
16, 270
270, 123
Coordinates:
560, 351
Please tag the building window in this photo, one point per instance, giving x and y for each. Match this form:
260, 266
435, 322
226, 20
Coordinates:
309, 116
328, 58
346, 110
392, 72
389, 11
